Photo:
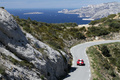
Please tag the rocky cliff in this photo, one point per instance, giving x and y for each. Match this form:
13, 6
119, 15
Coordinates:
95, 11
24, 57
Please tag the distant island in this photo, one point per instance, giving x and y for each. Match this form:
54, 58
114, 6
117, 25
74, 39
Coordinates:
34, 13
95, 11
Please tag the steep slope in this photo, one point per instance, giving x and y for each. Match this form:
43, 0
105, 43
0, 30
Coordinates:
105, 61
23, 59
95, 11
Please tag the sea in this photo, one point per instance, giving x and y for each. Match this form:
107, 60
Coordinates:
48, 16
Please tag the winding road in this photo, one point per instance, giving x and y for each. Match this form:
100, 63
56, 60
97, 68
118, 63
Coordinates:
79, 52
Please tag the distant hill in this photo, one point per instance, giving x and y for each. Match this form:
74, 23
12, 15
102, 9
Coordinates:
95, 11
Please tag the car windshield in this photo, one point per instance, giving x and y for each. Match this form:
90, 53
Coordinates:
81, 60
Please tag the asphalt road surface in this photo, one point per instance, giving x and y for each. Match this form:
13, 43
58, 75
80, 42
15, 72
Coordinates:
79, 52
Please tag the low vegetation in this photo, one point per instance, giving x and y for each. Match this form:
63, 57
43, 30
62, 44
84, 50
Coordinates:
2, 69
54, 35
97, 31
105, 61
105, 26
102, 19
105, 58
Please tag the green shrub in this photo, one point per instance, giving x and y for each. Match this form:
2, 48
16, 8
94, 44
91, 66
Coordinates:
105, 51
119, 14
94, 22
27, 29
97, 31
102, 19
2, 7
114, 26
2, 69
111, 72
42, 77
111, 16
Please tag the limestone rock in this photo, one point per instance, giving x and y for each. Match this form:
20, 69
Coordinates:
50, 64
95, 11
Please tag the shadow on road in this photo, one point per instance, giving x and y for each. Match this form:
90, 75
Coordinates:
72, 69
81, 65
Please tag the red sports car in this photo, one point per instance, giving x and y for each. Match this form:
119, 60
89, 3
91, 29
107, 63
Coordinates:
80, 62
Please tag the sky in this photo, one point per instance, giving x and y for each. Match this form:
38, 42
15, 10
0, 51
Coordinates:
50, 3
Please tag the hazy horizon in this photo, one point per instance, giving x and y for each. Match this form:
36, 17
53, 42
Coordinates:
13, 4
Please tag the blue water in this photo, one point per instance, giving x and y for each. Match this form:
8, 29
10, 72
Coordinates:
48, 16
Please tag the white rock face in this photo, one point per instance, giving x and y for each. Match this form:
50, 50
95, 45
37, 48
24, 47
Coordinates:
95, 11
47, 61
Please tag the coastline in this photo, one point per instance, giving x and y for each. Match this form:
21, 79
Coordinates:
89, 19
48, 16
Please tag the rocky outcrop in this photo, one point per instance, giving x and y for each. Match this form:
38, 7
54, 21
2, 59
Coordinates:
95, 11
25, 57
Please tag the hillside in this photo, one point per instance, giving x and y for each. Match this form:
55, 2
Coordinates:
24, 57
35, 50
63, 36
95, 11
104, 58
105, 61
